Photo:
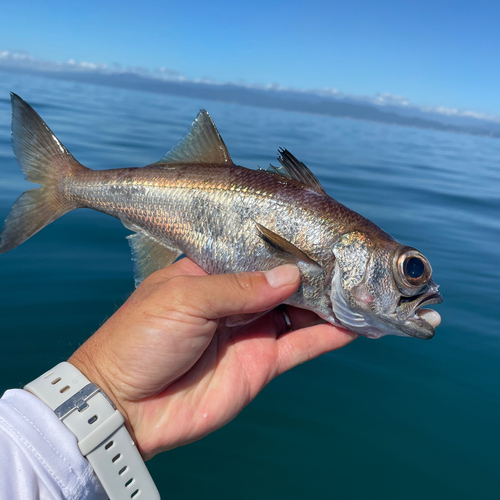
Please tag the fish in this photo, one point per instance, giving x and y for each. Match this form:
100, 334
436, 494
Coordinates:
227, 218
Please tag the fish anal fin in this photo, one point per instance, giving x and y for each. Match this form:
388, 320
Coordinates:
284, 246
296, 170
202, 144
149, 255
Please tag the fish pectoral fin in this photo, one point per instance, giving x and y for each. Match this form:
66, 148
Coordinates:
149, 255
202, 144
295, 169
284, 246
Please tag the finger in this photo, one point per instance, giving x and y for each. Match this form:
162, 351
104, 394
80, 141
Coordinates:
274, 324
183, 267
308, 343
299, 318
223, 295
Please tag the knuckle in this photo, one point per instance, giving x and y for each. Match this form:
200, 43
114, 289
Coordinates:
179, 282
181, 291
172, 294
186, 297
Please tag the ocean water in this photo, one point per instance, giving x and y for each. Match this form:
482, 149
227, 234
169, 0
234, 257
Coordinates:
394, 418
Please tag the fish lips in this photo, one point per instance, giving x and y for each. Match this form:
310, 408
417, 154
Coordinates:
407, 312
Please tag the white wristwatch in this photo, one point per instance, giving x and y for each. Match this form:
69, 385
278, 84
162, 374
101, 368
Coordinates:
99, 427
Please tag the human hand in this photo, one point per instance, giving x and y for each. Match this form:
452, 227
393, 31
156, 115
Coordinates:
175, 374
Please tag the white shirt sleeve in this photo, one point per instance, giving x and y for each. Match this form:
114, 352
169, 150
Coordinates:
39, 456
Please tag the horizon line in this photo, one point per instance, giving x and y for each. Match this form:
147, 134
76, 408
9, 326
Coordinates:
12, 60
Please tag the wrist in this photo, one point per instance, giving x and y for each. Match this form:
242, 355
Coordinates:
92, 369
87, 411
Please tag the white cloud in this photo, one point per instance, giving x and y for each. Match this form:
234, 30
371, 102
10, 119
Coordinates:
24, 60
385, 98
455, 112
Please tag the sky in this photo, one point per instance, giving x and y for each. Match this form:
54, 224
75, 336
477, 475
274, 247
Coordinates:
434, 53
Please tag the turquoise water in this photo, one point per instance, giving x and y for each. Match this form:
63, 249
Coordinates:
394, 418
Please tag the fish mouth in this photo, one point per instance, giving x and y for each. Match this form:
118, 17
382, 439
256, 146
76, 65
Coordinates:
420, 322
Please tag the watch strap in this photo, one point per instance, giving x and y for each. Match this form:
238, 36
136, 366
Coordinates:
99, 428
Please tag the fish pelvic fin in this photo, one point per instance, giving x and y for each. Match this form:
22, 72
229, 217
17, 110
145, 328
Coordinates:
202, 144
148, 254
295, 169
43, 160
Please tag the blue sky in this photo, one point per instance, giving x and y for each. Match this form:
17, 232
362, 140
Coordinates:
435, 53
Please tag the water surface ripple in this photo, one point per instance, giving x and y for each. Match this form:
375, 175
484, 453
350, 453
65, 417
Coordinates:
394, 418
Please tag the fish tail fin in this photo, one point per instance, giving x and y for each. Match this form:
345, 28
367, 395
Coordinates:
43, 160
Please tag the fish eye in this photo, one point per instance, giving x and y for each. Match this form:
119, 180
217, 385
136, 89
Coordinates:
411, 270
414, 267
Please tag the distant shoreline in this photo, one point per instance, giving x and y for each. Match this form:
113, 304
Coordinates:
254, 97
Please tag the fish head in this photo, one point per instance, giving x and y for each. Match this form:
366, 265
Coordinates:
379, 287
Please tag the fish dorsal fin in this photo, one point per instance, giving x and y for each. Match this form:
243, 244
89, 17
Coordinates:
148, 254
202, 144
278, 170
284, 246
295, 169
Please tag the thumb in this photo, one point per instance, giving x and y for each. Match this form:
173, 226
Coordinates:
221, 295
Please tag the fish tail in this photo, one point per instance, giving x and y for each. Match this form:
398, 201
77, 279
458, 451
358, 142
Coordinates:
43, 160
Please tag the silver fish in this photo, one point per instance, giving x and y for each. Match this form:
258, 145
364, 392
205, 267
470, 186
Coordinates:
227, 218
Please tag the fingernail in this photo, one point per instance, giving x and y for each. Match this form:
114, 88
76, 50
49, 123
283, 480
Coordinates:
282, 275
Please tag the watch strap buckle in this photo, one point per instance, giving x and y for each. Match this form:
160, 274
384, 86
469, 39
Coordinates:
79, 401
